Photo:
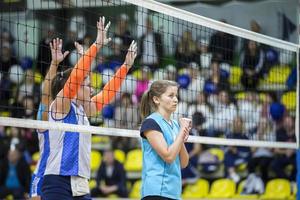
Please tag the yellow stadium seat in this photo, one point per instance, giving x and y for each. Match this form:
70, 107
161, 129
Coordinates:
119, 155
96, 80
289, 100
134, 160
5, 114
222, 188
137, 74
240, 96
92, 183
95, 160
36, 156
136, 190
239, 194
38, 78
196, 190
277, 189
113, 196
217, 152
235, 75
278, 74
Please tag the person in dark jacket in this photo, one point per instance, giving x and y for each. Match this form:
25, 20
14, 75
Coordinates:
111, 177
151, 47
14, 175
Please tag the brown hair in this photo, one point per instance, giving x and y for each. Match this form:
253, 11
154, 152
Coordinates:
157, 88
59, 81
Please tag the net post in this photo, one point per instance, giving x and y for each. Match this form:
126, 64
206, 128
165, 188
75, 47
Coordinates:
298, 125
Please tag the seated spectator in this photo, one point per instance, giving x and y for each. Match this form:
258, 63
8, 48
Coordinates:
189, 94
261, 157
6, 58
249, 111
186, 50
142, 84
122, 32
236, 155
252, 62
14, 175
222, 45
204, 57
216, 81
117, 57
111, 177
204, 108
126, 113
151, 47
29, 88
224, 112
170, 73
285, 157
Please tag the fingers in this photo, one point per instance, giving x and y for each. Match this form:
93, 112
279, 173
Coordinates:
107, 26
66, 53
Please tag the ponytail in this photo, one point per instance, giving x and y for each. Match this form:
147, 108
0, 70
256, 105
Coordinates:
145, 105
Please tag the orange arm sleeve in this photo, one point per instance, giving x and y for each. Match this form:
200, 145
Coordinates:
110, 89
81, 69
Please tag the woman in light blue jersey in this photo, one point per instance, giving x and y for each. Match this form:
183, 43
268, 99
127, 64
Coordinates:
164, 152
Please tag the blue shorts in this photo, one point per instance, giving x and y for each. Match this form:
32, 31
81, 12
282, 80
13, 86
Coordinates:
36, 185
59, 187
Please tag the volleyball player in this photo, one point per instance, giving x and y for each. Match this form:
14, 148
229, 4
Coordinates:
68, 164
164, 152
56, 58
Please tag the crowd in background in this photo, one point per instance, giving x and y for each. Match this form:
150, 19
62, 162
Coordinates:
202, 70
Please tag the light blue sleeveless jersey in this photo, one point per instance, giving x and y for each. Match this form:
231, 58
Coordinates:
158, 177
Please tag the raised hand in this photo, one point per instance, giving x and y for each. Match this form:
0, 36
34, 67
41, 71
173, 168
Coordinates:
56, 53
79, 48
102, 39
131, 54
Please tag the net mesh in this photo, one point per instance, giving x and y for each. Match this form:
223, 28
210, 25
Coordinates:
231, 80
240, 88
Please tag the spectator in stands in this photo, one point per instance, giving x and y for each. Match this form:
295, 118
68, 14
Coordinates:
117, 57
44, 53
122, 32
151, 47
186, 50
254, 26
204, 108
142, 84
195, 86
14, 175
261, 157
249, 111
170, 73
126, 113
222, 45
6, 58
203, 56
285, 157
111, 177
29, 87
216, 81
224, 114
236, 155
252, 62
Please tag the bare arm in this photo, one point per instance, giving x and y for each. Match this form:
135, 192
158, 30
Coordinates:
184, 157
109, 91
158, 143
80, 71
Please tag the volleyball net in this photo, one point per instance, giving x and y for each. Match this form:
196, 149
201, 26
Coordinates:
230, 79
